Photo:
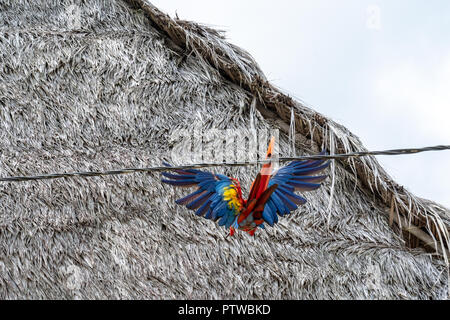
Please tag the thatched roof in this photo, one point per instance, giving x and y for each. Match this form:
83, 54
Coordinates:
106, 90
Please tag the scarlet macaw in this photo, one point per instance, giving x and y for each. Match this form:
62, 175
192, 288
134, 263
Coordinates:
220, 197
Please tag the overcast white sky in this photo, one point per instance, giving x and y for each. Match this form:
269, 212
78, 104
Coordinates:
381, 68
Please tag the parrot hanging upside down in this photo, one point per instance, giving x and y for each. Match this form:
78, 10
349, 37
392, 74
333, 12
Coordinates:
220, 197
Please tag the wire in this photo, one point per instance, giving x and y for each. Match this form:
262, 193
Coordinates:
221, 164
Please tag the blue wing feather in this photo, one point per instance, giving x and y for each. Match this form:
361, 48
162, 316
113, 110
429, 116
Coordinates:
177, 177
230, 220
303, 186
189, 198
180, 183
267, 214
296, 176
219, 210
208, 213
198, 201
287, 202
203, 209
222, 221
208, 200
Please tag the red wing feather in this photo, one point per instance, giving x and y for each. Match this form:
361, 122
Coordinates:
264, 197
254, 188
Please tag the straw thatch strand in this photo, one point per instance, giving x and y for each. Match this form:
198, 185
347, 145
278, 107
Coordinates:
94, 85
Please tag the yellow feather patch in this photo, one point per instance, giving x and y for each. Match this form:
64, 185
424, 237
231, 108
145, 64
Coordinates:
230, 195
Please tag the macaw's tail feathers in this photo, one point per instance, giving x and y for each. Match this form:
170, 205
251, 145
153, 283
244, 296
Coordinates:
259, 207
254, 188
270, 148
261, 181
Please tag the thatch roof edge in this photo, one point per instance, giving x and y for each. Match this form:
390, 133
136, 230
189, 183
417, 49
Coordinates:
427, 222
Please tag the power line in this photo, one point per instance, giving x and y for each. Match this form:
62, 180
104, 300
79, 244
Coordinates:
221, 164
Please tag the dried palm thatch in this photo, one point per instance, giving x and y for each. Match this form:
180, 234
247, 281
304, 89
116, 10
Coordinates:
102, 85
238, 67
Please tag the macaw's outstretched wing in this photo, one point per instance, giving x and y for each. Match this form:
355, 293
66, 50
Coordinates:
296, 176
217, 196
